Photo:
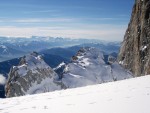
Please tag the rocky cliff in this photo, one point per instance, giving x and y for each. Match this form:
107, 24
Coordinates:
135, 50
31, 76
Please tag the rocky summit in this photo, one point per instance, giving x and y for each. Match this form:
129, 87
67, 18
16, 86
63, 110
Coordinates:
31, 76
135, 50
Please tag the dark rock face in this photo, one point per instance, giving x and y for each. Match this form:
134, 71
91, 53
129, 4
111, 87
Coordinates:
135, 50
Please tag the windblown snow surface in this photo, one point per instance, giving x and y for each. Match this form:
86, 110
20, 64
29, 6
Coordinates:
126, 96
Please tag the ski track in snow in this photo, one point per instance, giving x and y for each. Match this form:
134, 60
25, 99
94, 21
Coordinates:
126, 96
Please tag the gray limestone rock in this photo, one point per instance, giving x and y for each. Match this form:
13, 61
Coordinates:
135, 50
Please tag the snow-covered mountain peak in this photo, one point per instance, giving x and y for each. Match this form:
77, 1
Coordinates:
3, 49
32, 76
90, 52
3, 46
88, 56
31, 62
89, 67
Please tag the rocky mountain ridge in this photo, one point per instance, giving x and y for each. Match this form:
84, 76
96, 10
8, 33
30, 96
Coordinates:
87, 67
135, 50
31, 76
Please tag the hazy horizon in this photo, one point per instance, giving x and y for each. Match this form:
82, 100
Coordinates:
91, 19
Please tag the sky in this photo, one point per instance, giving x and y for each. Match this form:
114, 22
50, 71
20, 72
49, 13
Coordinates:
97, 19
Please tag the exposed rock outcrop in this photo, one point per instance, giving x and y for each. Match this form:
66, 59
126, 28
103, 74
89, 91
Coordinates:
135, 50
32, 76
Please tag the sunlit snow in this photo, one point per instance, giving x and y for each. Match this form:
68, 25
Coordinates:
126, 96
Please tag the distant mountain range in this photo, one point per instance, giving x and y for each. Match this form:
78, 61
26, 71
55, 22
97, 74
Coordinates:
11, 47
7, 53
55, 56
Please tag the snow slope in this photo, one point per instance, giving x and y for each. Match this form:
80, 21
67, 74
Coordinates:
126, 96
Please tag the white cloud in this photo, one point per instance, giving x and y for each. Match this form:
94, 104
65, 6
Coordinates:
103, 32
2, 79
42, 11
63, 27
57, 19
37, 20
43, 20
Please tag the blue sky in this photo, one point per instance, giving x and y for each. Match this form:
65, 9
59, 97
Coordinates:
102, 19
